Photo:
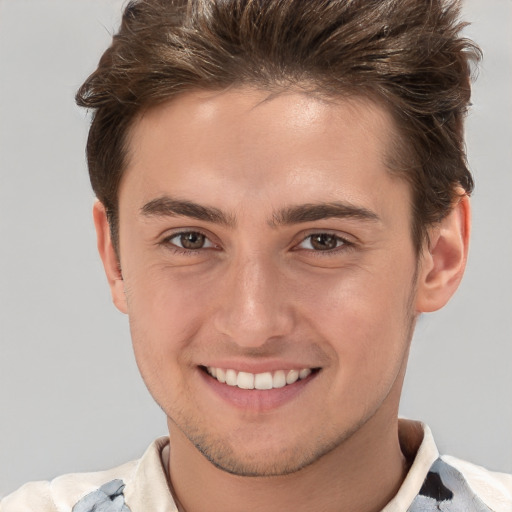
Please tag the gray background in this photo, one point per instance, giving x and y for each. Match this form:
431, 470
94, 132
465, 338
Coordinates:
71, 398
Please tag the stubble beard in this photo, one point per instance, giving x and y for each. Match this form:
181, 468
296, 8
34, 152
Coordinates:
284, 462
291, 459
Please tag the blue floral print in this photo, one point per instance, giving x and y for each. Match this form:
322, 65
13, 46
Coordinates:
108, 498
445, 490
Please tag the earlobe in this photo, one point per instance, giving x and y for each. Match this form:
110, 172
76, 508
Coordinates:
109, 257
444, 259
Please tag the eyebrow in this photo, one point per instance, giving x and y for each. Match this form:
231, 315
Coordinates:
171, 207
313, 212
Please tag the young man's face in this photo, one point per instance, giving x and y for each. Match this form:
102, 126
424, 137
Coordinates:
264, 235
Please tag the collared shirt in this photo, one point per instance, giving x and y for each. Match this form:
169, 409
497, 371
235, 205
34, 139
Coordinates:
433, 483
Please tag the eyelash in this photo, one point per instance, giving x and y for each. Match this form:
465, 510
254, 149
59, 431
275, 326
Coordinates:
167, 242
345, 244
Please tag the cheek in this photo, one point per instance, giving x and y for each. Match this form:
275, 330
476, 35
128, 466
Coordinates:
367, 332
364, 317
164, 316
164, 310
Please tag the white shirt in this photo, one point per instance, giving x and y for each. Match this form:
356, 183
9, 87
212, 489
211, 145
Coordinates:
433, 483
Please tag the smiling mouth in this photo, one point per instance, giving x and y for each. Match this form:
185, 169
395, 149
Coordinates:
260, 381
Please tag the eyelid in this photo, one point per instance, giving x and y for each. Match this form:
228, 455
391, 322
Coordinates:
207, 242
168, 236
347, 243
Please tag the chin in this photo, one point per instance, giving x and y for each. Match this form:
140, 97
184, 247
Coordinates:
263, 464
281, 457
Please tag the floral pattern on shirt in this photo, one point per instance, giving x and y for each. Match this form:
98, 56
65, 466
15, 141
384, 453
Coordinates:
445, 490
108, 498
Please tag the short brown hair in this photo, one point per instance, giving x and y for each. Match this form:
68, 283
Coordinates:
406, 54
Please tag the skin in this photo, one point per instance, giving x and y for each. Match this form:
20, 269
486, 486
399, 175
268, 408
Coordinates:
262, 294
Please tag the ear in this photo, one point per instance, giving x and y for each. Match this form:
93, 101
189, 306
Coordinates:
109, 257
444, 259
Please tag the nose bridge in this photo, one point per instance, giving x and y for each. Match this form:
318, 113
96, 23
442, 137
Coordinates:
253, 308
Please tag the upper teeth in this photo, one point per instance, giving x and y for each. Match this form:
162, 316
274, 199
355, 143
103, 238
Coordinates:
266, 380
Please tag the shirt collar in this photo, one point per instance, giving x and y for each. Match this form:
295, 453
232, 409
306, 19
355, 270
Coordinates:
418, 445
149, 488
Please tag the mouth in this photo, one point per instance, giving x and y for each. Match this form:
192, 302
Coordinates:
259, 381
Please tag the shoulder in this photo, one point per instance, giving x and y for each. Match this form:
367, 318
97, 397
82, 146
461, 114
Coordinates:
446, 483
493, 488
63, 492
139, 485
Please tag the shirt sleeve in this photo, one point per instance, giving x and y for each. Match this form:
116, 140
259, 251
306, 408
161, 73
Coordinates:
31, 497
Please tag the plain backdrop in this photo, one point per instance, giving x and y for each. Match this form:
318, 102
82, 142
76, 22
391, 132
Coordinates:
71, 398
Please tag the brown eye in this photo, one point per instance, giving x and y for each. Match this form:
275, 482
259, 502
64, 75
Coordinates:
191, 240
324, 241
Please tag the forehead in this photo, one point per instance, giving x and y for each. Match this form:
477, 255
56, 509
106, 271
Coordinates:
249, 143
258, 113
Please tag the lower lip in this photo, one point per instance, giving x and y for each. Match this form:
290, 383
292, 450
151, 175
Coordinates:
257, 400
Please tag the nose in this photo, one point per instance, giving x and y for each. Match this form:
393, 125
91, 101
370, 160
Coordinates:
253, 306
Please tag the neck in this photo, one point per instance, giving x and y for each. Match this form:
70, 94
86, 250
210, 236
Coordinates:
363, 474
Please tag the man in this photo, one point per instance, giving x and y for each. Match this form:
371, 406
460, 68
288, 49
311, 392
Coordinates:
282, 191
